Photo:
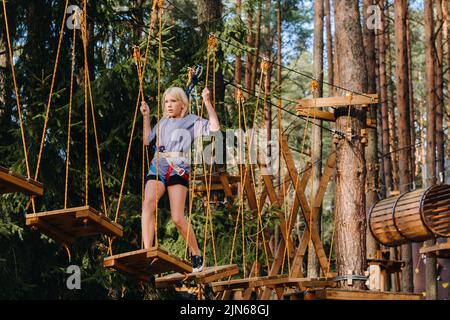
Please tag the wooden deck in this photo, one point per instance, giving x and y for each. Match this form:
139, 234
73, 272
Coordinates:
340, 294
142, 264
273, 282
68, 224
13, 182
209, 275
440, 250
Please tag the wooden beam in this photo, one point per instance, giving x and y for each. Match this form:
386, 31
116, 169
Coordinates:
316, 114
338, 101
339, 294
325, 179
320, 252
13, 182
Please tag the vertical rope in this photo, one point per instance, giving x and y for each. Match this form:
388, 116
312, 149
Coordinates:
70, 112
161, 9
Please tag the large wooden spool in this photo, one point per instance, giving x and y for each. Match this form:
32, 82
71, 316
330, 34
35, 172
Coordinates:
413, 216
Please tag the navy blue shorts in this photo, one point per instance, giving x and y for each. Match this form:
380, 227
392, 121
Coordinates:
173, 180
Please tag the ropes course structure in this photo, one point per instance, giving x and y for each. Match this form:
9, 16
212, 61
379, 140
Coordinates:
256, 268
67, 224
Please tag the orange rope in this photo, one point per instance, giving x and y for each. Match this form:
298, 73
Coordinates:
55, 68
70, 114
153, 18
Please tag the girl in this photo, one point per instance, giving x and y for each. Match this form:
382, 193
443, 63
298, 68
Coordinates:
177, 130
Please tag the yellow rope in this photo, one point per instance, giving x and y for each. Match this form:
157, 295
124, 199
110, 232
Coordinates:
208, 175
69, 256
55, 68
70, 113
86, 164
152, 22
16, 92
314, 88
160, 3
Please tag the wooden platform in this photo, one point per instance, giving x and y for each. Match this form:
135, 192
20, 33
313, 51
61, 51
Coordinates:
338, 101
68, 224
210, 274
273, 282
142, 264
340, 294
440, 250
13, 182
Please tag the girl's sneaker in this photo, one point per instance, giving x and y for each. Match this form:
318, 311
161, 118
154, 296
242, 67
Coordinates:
197, 263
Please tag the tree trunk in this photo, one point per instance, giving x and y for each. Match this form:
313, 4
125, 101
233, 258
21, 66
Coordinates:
238, 66
330, 59
431, 131
257, 48
392, 107
404, 132
440, 161
249, 58
350, 168
371, 152
411, 105
316, 148
387, 162
447, 58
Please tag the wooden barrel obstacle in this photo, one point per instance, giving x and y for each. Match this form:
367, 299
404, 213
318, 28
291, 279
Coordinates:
413, 216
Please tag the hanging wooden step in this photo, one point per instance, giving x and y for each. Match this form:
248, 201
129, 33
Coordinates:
245, 283
66, 225
338, 101
13, 182
340, 294
210, 274
439, 250
142, 264
316, 114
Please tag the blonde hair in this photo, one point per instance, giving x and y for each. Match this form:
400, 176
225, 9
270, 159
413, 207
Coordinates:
180, 95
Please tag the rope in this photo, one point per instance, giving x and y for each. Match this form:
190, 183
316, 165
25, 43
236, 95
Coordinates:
242, 49
160, 4
152, 22
208, 174
16, 92
86, 155
55, 68
70, 113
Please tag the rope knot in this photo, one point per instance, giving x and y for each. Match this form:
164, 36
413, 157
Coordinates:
239, 95
190, 72
212, 41
137, 55
314, 85
265, 65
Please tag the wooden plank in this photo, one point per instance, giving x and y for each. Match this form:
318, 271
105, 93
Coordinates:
50, 231
146, 262
439, 249
210, 274
338, 101
339, 294
12, 182
226, 185
75, 222
316, 114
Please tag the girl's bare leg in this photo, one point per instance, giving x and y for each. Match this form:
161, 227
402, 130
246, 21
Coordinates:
177, 197
148, 211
